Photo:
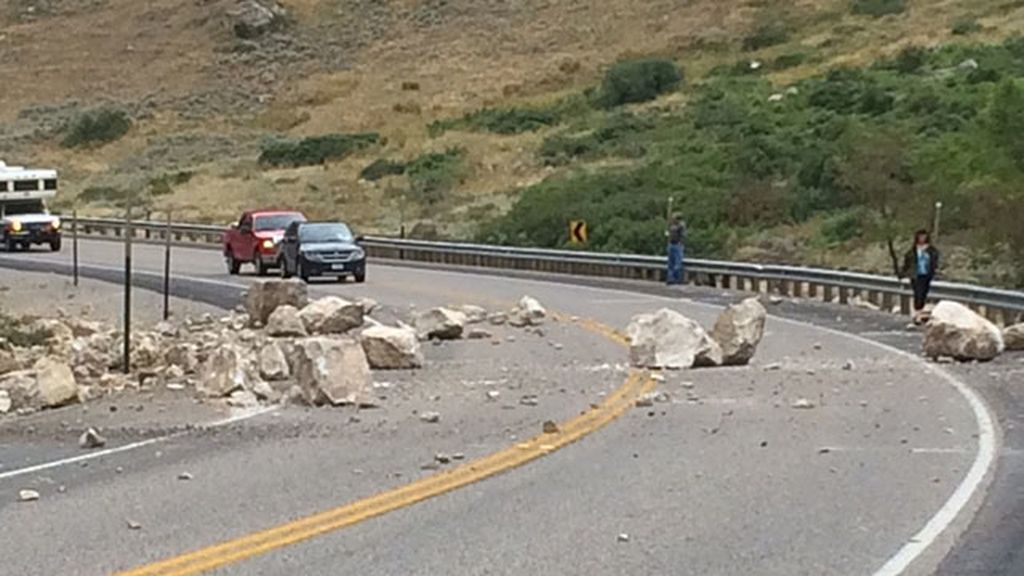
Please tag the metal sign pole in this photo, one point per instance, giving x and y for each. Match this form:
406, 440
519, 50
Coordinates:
935, 223
128, 290
167, 267
74, 244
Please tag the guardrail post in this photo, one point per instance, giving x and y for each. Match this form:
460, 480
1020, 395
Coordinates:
844, 295
887, 302
905, 304
812, 290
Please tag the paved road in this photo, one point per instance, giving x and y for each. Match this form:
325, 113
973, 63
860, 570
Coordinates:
726, 479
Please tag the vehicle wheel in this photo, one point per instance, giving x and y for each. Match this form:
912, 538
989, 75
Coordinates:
12, 246
55, 245
261, 267
233, 265
360, 277
301, 270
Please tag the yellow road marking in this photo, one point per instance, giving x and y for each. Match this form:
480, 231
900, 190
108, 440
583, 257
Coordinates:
261, 542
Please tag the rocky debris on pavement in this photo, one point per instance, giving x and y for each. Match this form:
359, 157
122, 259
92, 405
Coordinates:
667, 339
551, 427
474, 314
284, 322
390, 348
430, 417
528, 312
479, 334
49, 383
440, 324
227, 369
332, 371
5, 402
802, 404
369, 305
273, 365
738, 331
265, 296
91, 439
497, 318
254, 18
331, 315
958, 332
28, 495
1013, 337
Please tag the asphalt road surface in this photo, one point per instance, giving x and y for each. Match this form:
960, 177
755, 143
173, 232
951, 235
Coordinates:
726, 478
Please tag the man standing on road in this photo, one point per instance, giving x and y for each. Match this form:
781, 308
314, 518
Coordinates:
676, 241
920, 264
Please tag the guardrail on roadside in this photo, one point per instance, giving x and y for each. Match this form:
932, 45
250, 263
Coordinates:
884, 293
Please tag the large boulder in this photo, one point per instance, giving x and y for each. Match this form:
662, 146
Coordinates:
254, 18
667, 339
332, 371
273, 364
956, 331
390, 348
227, 369
48, 384
265, 296
739, 331
440, 324
1013, 336
331, 315
285, 322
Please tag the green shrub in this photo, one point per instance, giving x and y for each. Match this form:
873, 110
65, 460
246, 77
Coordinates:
97, 128
434, 174
499, 121
843, 227
878, 8
164, 184
910, 60
315, 149
965, 27
789, 60
632, 81
619, 135
381, 168
103, 194
772, 32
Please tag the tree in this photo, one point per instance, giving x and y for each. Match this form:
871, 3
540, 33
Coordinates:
1006, 120
875, 171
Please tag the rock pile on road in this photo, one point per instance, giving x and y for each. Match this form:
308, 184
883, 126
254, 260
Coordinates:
281, 347
668, 340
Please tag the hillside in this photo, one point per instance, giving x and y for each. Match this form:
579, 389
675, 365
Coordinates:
191, 107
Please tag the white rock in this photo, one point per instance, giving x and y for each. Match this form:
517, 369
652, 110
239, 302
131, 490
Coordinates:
332, 371
479, 334
390, 348
803, 404
667, 339
739, 331
285, 322
1013, 336
264, 391
369, 305
497, 318
956, 331
265, 296
55, 383
243, 399
184, 356
440, 324
5, 402
28, 495
430, 417
528, 312
227, 369
91, 439
273, 363
331, 315
474, 314
8, 362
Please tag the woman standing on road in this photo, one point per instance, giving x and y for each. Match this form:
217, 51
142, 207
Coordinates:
920, 265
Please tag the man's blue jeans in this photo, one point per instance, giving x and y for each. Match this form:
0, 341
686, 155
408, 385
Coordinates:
674, 273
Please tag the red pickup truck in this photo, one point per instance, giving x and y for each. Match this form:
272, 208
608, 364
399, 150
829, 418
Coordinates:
256, 239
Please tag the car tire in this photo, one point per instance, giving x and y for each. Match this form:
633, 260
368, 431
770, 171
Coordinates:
360, 277
261, 267
11, 245
55, 245
233, 265
301, 271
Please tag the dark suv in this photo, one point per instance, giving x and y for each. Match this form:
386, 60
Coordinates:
322, 249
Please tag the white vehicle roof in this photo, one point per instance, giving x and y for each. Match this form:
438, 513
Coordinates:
21, 173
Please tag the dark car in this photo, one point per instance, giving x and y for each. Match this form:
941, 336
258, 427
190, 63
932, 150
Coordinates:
322, 249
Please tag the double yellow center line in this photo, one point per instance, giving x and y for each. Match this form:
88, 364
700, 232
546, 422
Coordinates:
257, 543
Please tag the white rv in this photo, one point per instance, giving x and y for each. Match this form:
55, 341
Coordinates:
24, 217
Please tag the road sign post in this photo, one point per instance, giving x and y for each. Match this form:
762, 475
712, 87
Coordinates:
127, 353
167, 267
74, 245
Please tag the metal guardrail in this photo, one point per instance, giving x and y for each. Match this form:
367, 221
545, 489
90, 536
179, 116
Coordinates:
884, 293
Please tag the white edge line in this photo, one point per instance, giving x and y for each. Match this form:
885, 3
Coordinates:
961, 497
133, 446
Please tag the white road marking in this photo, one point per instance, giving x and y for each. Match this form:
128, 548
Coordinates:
238, 417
